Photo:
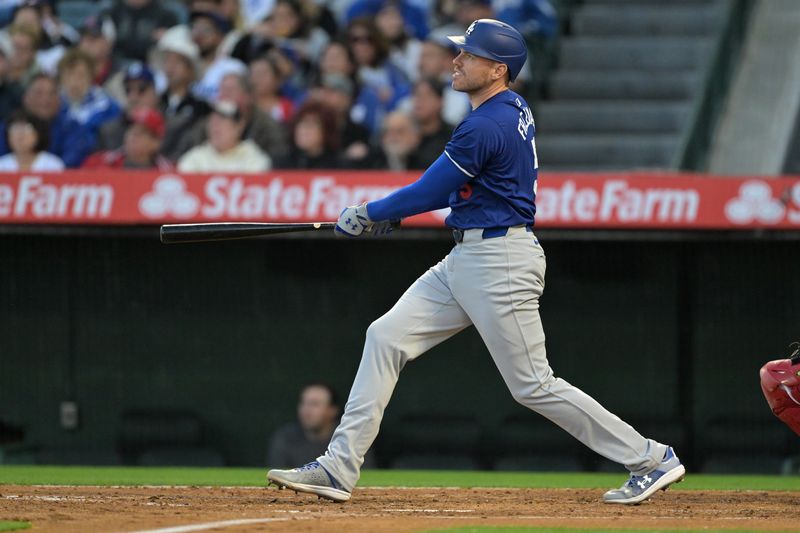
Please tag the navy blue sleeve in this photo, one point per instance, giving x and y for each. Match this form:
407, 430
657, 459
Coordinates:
474, 143
431, 191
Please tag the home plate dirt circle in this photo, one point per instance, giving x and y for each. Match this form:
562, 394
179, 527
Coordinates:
179, 509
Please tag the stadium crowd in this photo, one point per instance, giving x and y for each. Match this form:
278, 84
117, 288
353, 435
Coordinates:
238, 85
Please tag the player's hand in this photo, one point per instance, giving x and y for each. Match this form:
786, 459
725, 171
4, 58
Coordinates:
354, 221
381, 228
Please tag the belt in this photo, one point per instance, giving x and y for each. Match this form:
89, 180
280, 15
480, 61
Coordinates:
488, 233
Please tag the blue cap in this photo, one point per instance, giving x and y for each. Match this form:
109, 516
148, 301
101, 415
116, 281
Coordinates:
494, 40
140, 72
222, 24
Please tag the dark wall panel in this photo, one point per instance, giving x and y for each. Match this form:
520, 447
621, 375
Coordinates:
232, 330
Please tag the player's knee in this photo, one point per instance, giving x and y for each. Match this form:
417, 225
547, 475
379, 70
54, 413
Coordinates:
533, 391
378, 334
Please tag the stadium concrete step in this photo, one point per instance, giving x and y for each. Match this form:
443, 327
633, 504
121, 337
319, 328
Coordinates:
624, 85
628, 151
663, 18
610, 117
626, 53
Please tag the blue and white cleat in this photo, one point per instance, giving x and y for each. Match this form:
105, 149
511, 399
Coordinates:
310, 478
638, 488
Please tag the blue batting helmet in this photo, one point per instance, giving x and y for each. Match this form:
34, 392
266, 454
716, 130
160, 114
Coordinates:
494, 40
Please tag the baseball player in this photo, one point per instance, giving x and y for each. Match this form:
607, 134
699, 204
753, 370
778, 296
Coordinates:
491, 279
780, 383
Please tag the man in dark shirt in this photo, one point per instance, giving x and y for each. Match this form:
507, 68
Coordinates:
139, 24
317, 416
10, 91
427, 111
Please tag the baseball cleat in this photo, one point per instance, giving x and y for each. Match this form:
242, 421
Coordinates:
638, 488
310, 478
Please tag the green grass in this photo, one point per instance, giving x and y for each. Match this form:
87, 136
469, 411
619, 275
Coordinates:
13, 525
254, 477
529, 529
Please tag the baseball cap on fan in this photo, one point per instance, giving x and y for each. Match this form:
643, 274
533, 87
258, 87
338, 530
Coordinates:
138, 71
150, 119
99, 26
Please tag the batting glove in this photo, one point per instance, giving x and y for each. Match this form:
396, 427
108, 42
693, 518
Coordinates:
353, 221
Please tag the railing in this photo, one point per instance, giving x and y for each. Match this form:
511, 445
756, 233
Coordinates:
696, 140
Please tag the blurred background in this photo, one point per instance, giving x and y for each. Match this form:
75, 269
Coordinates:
117, 350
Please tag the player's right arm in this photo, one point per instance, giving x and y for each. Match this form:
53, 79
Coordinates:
431, 191
474, 142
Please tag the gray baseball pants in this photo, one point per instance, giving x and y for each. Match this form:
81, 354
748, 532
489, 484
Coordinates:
495, 285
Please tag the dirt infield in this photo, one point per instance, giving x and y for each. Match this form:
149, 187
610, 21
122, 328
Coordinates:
126, 509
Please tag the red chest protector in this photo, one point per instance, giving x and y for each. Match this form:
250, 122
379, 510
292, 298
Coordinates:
780, 381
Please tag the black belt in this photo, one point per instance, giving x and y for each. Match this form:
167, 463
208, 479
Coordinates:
488, 233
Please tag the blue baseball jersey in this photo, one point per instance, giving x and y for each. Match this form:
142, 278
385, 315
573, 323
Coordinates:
495, 148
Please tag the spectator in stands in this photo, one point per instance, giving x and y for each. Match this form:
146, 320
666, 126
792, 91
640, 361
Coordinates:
69, 140
371, 51
404, 48
294, 33
414, 16
28, 138
87, 104
400, 142
208, 31
140, 92
225, 150
180, 61
40, 16
23, 64
139, 25
436, 61
336, 90
532, 18
318, 413
427, 112
265, 79
314, 138
268, 134
10, 91
338, 59
140, 148
97, 40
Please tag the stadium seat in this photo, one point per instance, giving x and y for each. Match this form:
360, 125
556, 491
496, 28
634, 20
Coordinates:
528, 442
194, 456
164, 437
433, 461
77, 456
430, 440
746, 446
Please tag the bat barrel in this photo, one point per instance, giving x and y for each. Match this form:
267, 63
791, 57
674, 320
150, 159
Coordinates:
182, 233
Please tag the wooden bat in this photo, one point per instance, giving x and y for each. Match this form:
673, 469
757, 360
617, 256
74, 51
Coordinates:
222, 231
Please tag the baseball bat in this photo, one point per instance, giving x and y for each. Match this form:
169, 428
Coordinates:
221, 231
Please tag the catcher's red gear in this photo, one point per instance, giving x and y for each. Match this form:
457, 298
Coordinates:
780, 381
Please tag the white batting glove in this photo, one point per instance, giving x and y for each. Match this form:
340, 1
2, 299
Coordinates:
353, 221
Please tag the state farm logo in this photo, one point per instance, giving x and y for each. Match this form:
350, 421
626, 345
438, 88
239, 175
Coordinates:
754, 203
617, 202
35, 197
169, 197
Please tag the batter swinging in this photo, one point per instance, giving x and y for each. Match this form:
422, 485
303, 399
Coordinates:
492, 279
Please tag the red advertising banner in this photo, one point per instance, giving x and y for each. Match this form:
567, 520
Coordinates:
564, 200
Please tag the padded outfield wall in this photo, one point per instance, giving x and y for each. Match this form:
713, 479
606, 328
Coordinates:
665, 329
